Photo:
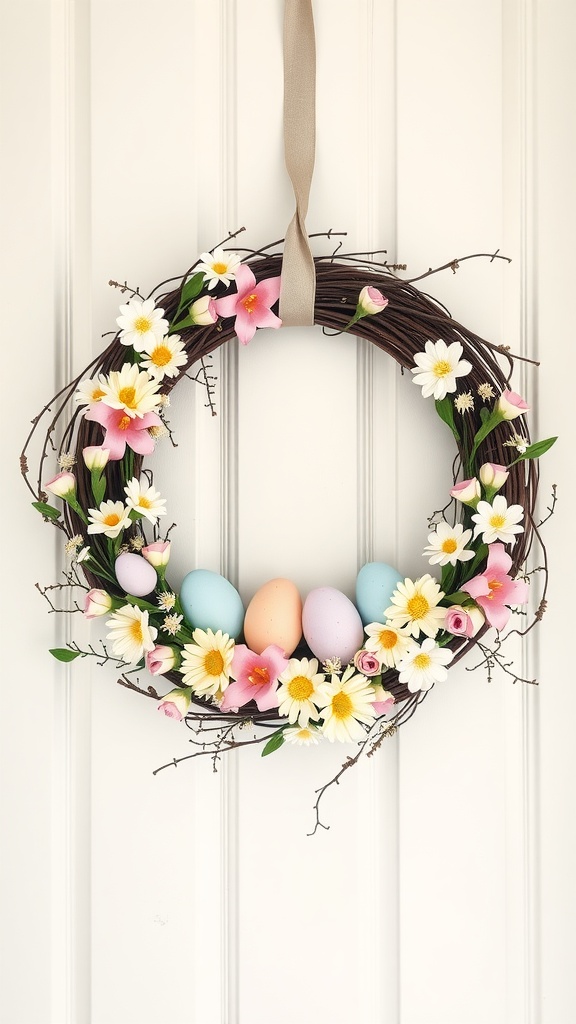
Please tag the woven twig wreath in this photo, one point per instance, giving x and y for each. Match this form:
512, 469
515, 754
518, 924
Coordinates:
482, 553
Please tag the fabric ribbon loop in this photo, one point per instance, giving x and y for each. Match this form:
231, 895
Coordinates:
298, 288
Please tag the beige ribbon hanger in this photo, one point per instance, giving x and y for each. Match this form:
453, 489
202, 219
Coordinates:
298, 288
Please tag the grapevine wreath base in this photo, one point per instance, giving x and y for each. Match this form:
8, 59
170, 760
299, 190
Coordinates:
371, 681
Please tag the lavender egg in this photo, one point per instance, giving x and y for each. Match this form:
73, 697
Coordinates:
331, 625
135, 575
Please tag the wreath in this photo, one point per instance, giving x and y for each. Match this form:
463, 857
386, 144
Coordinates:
329, 669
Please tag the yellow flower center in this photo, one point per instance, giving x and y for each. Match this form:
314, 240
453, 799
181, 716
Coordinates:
449, 546
417, 606
144, 502
161, 355
97, 394
442, 368
136, 631
142, 324
497, 521
111, 520
219, 268
341, 705
259, 676
300, 688
493, 585
127, 397
422, 661
124, 423
250, 302
213, 663
388, 639
305, 734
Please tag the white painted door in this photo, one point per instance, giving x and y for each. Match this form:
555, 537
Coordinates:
136, 135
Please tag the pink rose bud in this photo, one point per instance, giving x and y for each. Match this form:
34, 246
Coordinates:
161, 659
63, 486
383, 701
493, 476
467, 491
203, 311
95, 457
176, 703
97, 602
370, 301
463, 621
510, 405
158, 553
367, 663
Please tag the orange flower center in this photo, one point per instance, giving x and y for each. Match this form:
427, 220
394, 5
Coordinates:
136, 631
127, 396
124, 422
497, 521
250, 302
213, 663
341, 705
417, 606
111, 520
300, 688
388, 639
144, 502
97, 394
259, 676
161, 355
493, 585
219, 268
449, 546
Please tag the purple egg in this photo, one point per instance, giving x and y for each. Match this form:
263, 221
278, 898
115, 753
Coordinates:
331, 625
135, 575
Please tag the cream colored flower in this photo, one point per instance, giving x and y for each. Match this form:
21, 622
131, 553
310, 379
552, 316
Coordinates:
132, 390
67, 460
298, 692
464, 401
423, 665
145, 499
141, 323
219, 266
163, 357
447, 545
387, 642
167, 601
109, 519
303, 736
347, 703
414, 605
131, 634
171, 624
206, 663
486, 392
498, 521
438, 367
90, 391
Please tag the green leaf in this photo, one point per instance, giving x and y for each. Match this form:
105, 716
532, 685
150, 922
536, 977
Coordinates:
190, 291
98, 482
534, 451
186, 322
63, 654
481, 555
445, 410
144, 605
484, 413
48, 511
274, 743
458, 597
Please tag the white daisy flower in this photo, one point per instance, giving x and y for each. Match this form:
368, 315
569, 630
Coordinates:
206, 663
219, 266
164, 357
387, 642
109, 519
298, 693
414, 605
141, 323
132, 390
302, 735
447, 545
131, 633
90, 391
171, 624
438, 367
423, 665
145, 499
498, 521
346, 703
167, 601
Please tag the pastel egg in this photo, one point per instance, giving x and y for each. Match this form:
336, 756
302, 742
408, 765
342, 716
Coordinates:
274, 616
374, 587
332, 625
135, 575
209, 601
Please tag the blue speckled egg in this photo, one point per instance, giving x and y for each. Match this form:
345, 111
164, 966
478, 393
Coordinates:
374, 587
209, 601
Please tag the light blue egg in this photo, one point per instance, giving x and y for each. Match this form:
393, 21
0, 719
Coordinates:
209, 601
374, 587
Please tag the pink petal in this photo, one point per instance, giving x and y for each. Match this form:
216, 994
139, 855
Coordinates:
496, 614
226, 306
100, 413
139, 441
275, 660
267, 697
266, 318
245, 280
477, 587
115, 443
519, 592
498, 559
243, 661
236, 695
245, 327
268, 291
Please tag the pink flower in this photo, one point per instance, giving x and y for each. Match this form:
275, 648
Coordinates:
510, 405
367, 663
203, 311
121, 430
467, 491
97, 602
384, 701
370, 301
494, 588
256, 677
463, 621
63, 485
492, 476
176, 703
161, 659
158, 553
251, 305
